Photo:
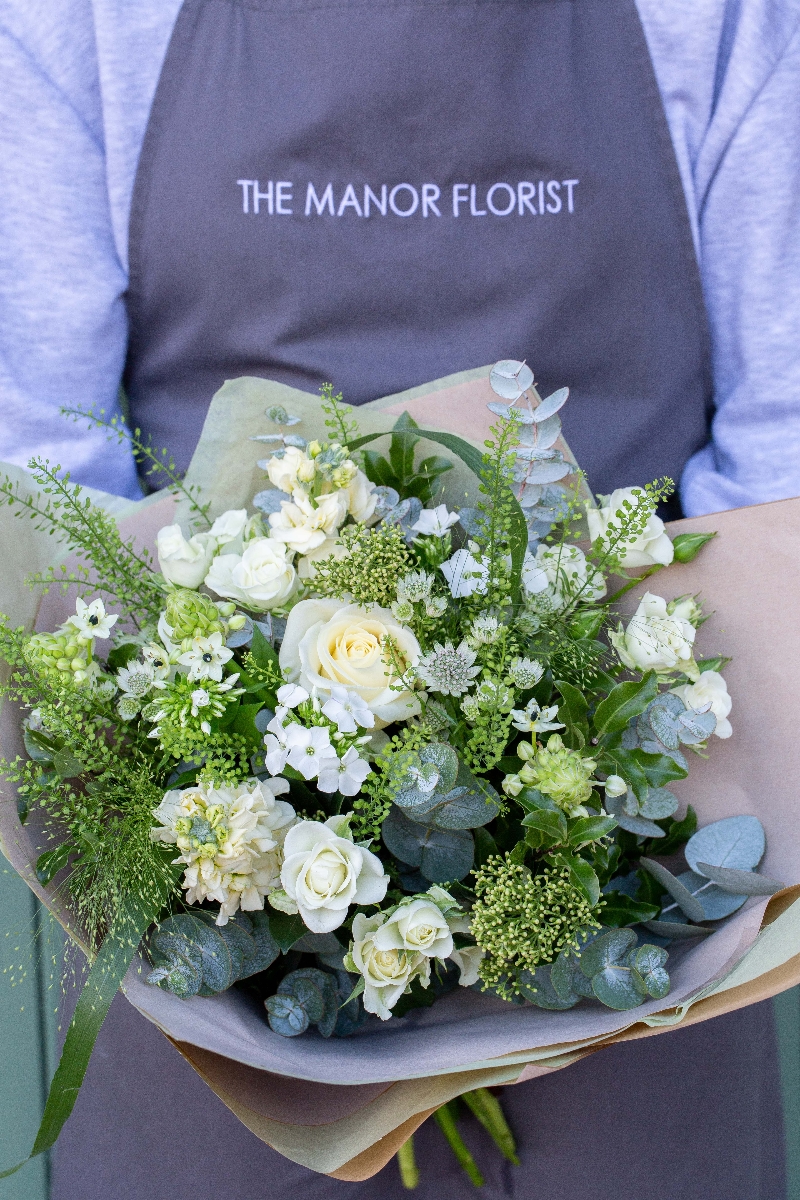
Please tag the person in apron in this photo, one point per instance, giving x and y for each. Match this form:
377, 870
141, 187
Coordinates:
380, 194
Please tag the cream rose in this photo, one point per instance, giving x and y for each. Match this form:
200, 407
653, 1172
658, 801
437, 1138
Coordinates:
386, 973
324, 872
260, 578
327, 642
361, 500
183, 562
282, 469
652, 546
710, 689
656, 641
417, 926
303, 527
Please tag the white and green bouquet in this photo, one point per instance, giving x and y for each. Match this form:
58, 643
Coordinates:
351, 748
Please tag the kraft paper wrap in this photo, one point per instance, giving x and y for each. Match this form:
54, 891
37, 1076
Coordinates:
344, 1106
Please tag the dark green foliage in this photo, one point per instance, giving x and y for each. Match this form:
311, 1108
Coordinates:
192, 955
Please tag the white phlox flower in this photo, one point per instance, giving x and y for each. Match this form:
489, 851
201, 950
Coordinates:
231, 840
92, 620
206, 658
533, 719
465, 575
347, 709
345, 775
324, 872
448, 669
435, 522
291, 694
307, 748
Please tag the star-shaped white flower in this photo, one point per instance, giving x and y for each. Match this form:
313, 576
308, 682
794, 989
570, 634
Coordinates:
206, 658
347, 709
275, 758
533, 719
344, 775
291, 694
92, 620
307, 748
434, 522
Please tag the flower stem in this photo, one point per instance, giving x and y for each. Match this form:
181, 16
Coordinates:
632, 583
489, 1112
446, 1120
406, 1161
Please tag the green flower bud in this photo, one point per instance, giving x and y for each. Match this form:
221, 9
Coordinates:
562, 774
191, 615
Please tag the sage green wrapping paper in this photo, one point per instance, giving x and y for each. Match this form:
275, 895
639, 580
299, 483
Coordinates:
343, 1106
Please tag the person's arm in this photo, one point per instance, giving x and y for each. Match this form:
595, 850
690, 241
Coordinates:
747, 175
63, 325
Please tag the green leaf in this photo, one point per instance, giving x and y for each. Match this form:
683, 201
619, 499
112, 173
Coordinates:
583, 830
688, 545
401, 448
509, 764
619, 988
263, 653
485, 846
244, 723
680, 894
67, 765
50, 863
377, 470
587, 624
677, 832
39, 747
609, 949
620, 910
573, 712
718, 663
582, 875
286, 929
532, 800
659, 769
549, 828
614, 760
626, 700
120, 656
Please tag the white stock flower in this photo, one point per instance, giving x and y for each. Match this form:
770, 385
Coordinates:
206, 658
327, 642
386, 973
282, 468
260, 578
92, 620
361, 500
652, 546
656, 641
435, 522
465, 575
304, 527
345, 774
709, 690
307, 748
324, 872
230, 839
184, 563
562, 572
347, 709
417, 925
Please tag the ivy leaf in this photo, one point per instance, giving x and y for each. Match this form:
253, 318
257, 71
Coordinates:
626, 700
688, 545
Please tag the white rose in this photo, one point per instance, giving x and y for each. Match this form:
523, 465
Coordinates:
564, 572
418, 926
652, 546
711, 689
386, 973
260, 578
302, 526
656, 641
282, 469
229, 526
361, 500
327, 642
184, 563
324, 873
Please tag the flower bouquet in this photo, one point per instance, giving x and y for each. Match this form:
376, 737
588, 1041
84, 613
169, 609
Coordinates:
378, 780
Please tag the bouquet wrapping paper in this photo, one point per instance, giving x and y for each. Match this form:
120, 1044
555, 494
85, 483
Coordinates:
344, 1106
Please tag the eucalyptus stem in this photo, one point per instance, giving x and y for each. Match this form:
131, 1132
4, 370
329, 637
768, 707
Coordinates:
446, 1120
489, 1112
407, 1162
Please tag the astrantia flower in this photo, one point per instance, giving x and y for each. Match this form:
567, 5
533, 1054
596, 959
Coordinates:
347, 709
533, 719
415, 586
448, 669
465, 575
128, 707
526, 672
230, 839
206, 658
345, 774
484, 630
434, 522
92, 620
137, 679
307, 748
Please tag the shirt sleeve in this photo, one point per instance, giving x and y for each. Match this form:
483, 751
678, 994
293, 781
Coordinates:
63, 327
749, 232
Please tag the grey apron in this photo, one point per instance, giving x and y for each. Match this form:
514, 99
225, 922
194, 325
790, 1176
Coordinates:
378, 194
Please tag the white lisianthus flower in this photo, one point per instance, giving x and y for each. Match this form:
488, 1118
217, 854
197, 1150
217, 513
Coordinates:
345, 774
710, 689
230, 839
282, 468
229, 527
652, 546
435, 522
361, 500
329, 643
386, 973
347, 709
563, 572
465, 575
206, 658
417, 925
307, 748
92, 620
324, 872
303, 527
656, 641
184, 563
261, 578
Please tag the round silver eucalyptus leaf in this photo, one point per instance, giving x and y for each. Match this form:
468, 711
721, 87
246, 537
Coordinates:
510, 378
270, 500
551, 404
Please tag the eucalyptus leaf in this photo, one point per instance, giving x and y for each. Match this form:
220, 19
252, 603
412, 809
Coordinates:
619, 987
547, 472
441, 854
657, 804
240, 637
678, 890
616, 805
648, 962
747, 883
547, 429
550, 405
608, 949
716, 902
735, 842
567, 978
510, 379
286, 1016
270, 500
537, 986
676, 929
